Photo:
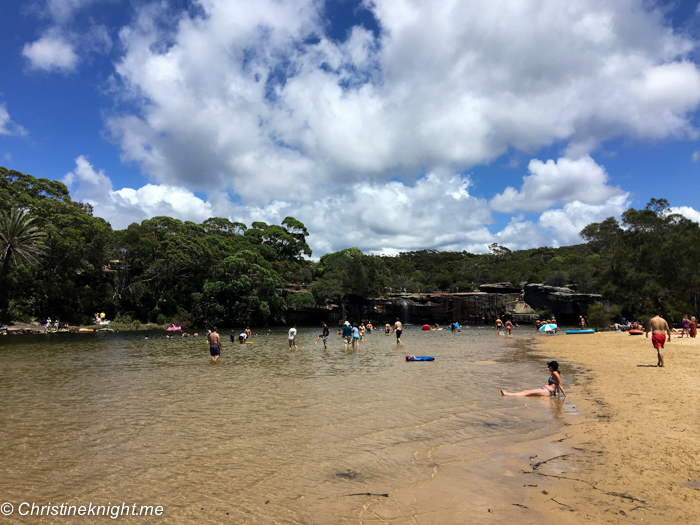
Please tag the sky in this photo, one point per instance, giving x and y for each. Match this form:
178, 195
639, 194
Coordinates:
389, 125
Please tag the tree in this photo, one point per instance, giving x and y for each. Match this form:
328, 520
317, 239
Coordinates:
19, 237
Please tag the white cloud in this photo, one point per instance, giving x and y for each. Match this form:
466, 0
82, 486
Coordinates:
61, 46
7, 127
362, 140
436, 212
51, 53
696, 154
687, 212
551, 183
566, 223
241, 99
122, 207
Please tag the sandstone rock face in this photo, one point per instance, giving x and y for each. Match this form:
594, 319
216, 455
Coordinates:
566, 304
502, 300
466, 308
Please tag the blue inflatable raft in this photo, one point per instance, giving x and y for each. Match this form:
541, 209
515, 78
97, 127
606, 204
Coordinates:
589, 331
419, 358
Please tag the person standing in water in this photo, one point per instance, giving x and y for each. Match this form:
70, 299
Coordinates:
292, 337
553, 384
658, 326
509, 327
347, 334
499, 325
324, 336
398, 328
355, 336
214, 344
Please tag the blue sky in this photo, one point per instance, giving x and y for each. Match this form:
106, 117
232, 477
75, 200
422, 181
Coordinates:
389, 125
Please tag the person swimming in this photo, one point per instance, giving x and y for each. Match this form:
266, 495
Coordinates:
553, 384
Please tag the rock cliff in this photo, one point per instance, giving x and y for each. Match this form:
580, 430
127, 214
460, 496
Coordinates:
503, 300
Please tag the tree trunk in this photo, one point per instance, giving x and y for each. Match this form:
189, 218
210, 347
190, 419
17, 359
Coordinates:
3, 271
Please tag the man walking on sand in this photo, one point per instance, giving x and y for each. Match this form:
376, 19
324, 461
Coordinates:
658, 326
214, 344
398, 328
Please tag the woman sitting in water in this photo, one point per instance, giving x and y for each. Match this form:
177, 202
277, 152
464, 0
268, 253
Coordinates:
553, 384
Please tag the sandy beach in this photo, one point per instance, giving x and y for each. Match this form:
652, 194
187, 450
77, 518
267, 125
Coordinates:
633, 454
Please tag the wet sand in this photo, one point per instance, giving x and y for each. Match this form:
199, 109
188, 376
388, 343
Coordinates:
634, 456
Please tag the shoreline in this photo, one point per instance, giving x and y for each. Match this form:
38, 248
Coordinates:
631, 455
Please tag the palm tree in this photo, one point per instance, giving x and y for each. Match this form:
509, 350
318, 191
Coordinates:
19, 238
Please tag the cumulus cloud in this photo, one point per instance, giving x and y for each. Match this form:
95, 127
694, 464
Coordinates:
566, 223
7, 127
435, 212
60, 46
51, 53
695, 156
551, 183
687, 212
122, 207
255, 97
366, 140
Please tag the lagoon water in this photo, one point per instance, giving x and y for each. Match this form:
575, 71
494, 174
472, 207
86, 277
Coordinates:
265, 435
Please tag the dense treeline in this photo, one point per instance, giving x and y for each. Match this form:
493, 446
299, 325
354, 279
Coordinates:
227, 273
648, 259
162, 269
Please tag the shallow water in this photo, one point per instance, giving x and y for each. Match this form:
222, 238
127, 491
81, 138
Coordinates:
265, 435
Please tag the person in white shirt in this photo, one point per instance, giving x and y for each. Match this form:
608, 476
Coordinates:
292, 337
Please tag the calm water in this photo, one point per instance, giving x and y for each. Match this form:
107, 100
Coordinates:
265, 435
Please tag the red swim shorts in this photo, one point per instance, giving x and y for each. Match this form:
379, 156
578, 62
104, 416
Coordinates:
658, 340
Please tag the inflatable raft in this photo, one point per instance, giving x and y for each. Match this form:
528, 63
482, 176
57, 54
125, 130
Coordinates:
419, 358
589, 331
636, 332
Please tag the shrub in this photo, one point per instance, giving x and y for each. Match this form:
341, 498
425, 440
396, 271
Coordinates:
559, 278
300, 299
121, 318
600, 316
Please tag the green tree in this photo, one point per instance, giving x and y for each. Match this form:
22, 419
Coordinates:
21, 239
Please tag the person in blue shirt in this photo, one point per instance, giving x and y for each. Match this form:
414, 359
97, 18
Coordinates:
347, 334
355, 336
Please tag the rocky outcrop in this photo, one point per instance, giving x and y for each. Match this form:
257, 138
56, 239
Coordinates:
467, 308
504, 300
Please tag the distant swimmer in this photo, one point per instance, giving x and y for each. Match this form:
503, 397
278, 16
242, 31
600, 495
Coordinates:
658, 326
347, 334
242, 338
553, 384
292, 337
398, 328
248, 332
509, 327
369, 327
214, 344
387, 329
